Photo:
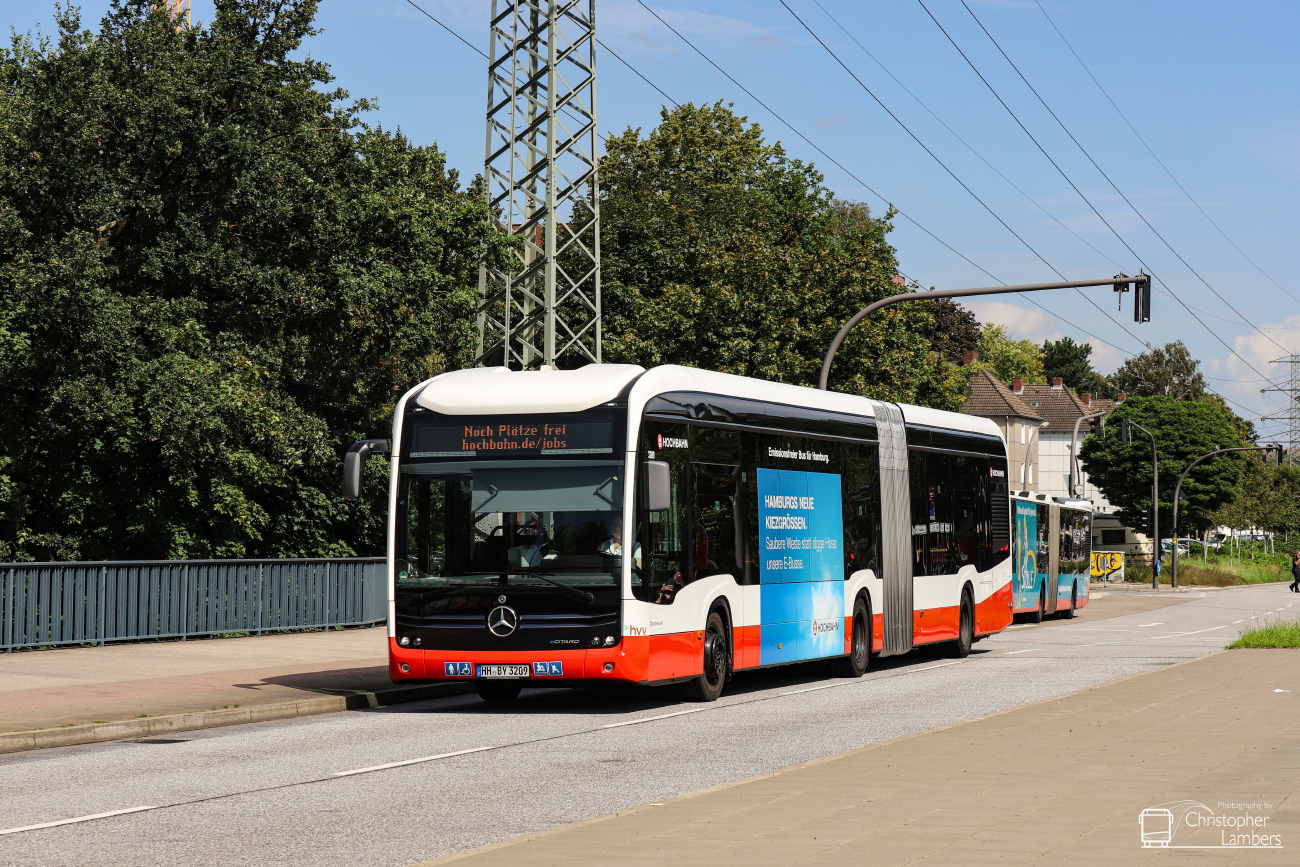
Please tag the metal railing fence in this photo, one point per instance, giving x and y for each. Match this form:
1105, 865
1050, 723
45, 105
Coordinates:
46, 604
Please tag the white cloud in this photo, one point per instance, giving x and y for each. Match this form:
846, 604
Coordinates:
1234, 378
628, 22
1024, 323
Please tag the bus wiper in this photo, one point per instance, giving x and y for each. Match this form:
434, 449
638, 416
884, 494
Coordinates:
581, 595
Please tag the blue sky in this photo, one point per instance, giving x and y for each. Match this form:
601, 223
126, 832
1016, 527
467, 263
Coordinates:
1211, 88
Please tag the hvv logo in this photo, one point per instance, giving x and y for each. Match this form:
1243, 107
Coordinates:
1196, 826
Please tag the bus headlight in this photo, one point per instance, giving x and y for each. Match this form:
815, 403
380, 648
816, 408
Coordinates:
405, 641
595, 641
610, 640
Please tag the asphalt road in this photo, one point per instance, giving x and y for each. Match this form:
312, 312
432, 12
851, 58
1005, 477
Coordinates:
398, 785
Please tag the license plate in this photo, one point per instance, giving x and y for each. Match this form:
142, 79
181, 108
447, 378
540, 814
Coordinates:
503, 670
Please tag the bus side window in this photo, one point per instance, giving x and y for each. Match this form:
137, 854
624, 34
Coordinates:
664, 534
920, 496
861, 499
719, 503
966, 510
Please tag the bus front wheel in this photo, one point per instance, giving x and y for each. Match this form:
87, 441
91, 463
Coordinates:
965, 628
1068, 613
1037, 615
708, 686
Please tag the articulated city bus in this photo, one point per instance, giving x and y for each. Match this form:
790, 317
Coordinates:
676, 525
1053, 557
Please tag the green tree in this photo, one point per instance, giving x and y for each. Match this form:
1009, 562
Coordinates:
955, 332
1170, 371
1183, 430
213, 278
1071, 361
1010, 359
719, 251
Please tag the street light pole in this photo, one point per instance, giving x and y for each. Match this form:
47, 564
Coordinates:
1120, 282
1124, 425
1178, 489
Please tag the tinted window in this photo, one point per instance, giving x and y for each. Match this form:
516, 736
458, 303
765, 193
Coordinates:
861, 499
665, 534
1076, 542
999, 513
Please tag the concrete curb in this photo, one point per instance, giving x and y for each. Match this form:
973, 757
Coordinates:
14, 742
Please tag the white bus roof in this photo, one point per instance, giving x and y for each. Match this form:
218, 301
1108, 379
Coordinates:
485, 390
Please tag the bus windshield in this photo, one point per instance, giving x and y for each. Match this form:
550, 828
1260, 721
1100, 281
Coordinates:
510, 522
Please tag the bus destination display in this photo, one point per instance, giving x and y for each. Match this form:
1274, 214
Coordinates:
513, 436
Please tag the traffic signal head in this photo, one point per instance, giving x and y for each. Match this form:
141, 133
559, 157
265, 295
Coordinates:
1097, 425
1123, 431
1142, 298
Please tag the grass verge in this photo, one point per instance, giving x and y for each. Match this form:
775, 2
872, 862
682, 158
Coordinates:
1279, 634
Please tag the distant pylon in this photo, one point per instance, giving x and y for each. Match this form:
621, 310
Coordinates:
1292, 414
540, 165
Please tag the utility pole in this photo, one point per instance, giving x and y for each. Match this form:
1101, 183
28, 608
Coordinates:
1292, 413
540, 166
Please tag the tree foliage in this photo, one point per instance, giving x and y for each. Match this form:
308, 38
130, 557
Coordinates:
955, 331
1010, 359
1071, 362
1183, 430
719, 251
1170, 371
213, 278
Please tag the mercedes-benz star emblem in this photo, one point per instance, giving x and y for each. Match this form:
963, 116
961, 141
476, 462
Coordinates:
502, 620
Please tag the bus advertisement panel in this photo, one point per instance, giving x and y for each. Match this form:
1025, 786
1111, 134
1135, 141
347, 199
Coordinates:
1027, 581
801, 568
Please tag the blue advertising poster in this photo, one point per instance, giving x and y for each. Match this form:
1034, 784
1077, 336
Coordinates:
801, 565
1026, 583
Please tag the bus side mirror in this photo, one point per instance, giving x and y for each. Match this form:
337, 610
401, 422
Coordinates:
354, 464
655, 483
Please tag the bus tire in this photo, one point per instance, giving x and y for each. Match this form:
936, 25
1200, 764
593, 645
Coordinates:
1037, 615
1068, 613
859, 657
708, 686
965, 628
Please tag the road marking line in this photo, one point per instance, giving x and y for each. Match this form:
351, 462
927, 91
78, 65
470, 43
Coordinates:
1010, 652
813, 688
941, 665
1150, 624
633, 722
409, 762
1194, 632
1021, 626
1235, 622
74, 821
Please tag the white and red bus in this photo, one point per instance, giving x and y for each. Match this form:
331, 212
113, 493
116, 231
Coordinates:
676, 525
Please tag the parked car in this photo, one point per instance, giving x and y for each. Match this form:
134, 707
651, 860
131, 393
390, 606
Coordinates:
1166, 546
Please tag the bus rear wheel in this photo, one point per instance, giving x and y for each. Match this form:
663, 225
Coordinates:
966, 628
708, 686
497, 690
855, 664
1037, 615
1068, 613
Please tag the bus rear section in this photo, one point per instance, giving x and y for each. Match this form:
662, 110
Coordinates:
1053, 554
675, 526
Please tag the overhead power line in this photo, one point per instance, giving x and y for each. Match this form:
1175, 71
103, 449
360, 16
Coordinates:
1075, 186
1113, 185
793, 129
965, 143
1156, 158
950, 172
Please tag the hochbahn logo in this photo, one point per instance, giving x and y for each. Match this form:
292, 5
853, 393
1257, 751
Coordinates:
1193, 825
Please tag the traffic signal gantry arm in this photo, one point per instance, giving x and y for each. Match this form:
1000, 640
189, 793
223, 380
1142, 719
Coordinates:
1178, 490
1120, 282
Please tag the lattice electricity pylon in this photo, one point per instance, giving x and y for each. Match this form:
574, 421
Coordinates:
1292, 414
540, 167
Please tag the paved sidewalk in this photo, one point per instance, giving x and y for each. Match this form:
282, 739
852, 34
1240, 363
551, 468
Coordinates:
1059, 781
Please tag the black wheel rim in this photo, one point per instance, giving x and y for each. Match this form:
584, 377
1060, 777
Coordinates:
715, 659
